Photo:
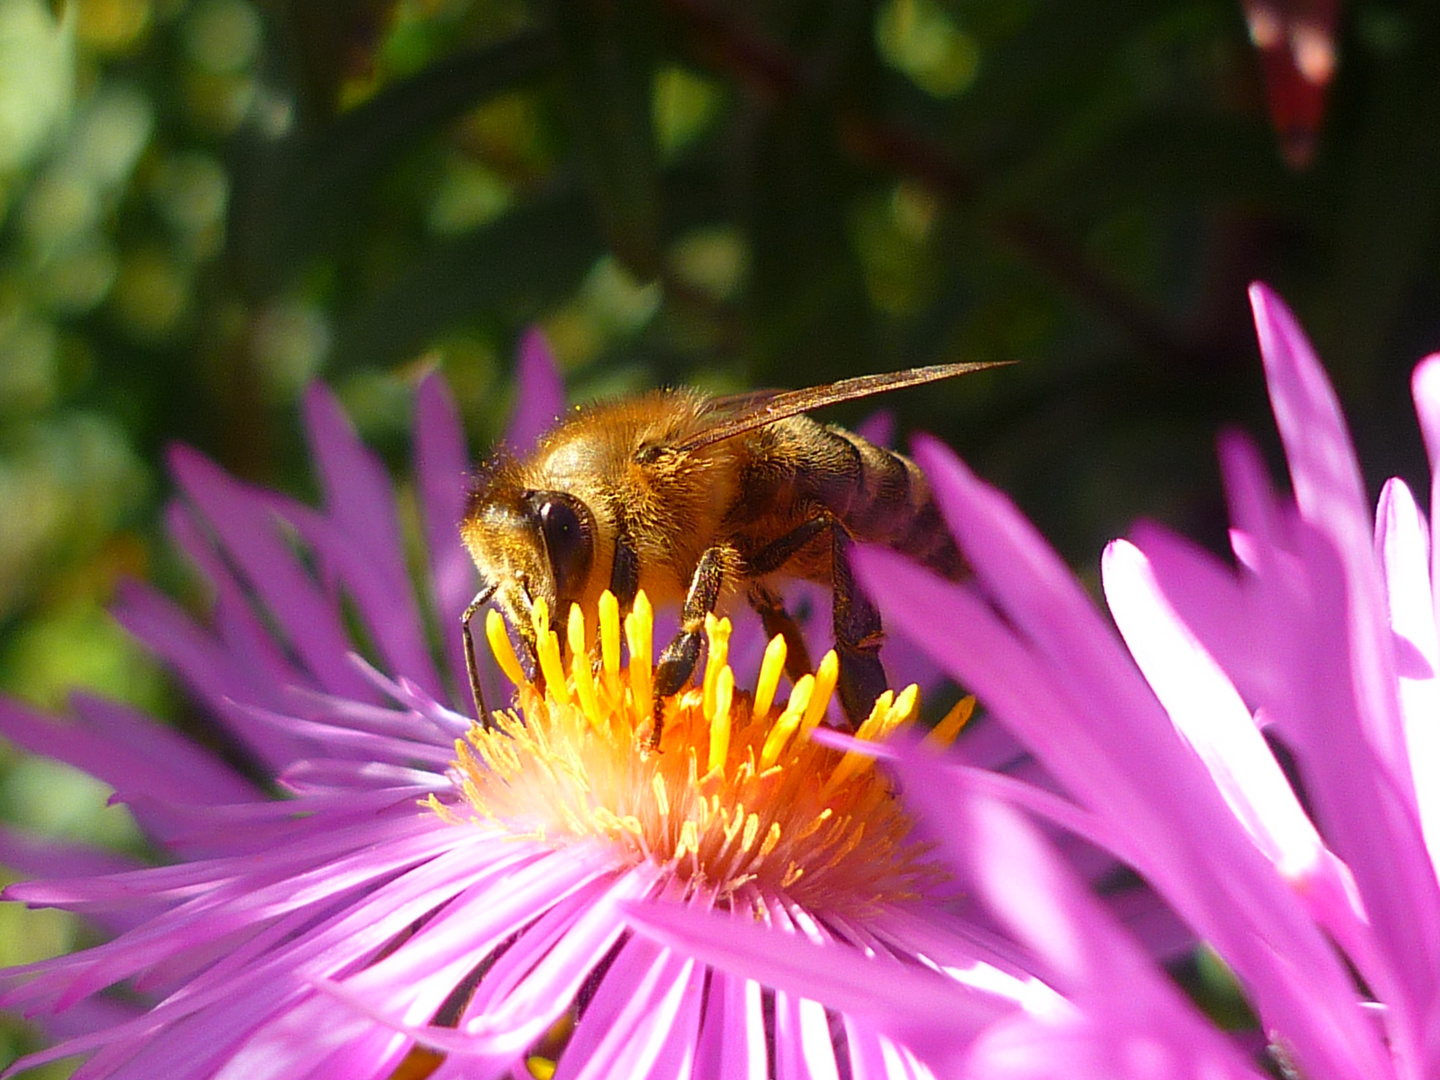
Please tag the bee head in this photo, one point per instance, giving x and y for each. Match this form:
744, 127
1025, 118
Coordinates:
530, 545
566, 529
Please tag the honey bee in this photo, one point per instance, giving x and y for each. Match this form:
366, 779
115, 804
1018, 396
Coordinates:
697, 499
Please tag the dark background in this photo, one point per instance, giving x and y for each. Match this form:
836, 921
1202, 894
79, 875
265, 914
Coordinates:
206, 203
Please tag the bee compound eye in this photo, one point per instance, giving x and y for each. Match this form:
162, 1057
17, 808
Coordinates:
565, 524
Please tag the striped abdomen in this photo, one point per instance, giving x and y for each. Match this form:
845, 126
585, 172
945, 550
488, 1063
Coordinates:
881, 497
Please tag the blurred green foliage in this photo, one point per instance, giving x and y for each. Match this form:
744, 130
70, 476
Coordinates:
206, 203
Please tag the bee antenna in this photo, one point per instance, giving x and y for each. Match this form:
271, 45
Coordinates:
472, 669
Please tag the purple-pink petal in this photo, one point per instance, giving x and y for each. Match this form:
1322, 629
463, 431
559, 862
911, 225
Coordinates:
244, 525
1323, 469
1212, 604
239, 664
539, 393
638, 1022
1366, 818
442, 476
1070, 692
1083, 954
731, 1043
1425, 389
1334, 695
361, 537
46, 856
513, 1021
1207, 711
1369, 805
1209, 714
1403, 543
150, 767
379, 587
935, 1016
411, 983
1331, 497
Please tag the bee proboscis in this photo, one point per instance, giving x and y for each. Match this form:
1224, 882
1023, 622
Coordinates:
698, 499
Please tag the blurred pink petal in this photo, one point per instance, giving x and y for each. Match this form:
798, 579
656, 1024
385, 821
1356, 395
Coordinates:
1209, 714
539, 394
1152, 1029
442, 469
936, 1016
1054, 673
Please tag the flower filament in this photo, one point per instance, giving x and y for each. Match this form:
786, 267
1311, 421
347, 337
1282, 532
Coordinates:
739, 797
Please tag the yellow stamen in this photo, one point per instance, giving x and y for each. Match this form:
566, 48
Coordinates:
739, 799
901, 712
772, 839
716, 656
788, 723
752, 830
854, 763
610, 632
945, 732
499, 639
720, 720
638, 626
689, 839
580, 666
769, 681
826, 676
869, 729
547, 646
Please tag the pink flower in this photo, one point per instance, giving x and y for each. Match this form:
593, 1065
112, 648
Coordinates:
1324, 904
1328, 631
432, 896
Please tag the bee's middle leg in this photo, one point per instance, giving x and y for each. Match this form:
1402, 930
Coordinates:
677, 662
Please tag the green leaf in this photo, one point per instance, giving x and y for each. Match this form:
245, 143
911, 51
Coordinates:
807, 290
295, 196
522, 263
607, 71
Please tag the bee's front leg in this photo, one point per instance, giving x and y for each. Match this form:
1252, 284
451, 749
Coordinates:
471, 668
677, 662
625, 572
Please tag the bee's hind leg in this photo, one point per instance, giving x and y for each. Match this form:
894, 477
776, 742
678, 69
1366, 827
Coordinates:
677, 662
858, 635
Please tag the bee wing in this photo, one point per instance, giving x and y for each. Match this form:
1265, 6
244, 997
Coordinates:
732, 405
736, 414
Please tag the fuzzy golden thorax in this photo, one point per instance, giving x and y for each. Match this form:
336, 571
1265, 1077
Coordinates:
616, 465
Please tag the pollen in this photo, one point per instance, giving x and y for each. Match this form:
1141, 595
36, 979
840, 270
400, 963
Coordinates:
738, 802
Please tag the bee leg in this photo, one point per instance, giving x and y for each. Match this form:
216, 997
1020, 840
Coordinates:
777, 620
772, 557
625, 573
677, 662
471, 668
777, 553
857, 638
